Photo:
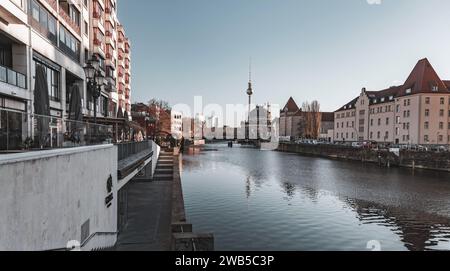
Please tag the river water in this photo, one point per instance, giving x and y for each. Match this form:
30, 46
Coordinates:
263, 200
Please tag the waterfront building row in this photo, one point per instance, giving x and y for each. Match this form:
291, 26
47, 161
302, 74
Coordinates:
417, 112
60, 36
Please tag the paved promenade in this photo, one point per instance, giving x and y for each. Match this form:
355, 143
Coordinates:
149, 212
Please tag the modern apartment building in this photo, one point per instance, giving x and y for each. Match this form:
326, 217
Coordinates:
417, 112
110, 44
60, 36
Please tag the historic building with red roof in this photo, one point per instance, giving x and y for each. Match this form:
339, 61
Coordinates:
293, 122
417, 112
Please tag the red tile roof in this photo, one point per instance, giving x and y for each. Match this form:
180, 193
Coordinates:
447, 83
423, 78
291, 106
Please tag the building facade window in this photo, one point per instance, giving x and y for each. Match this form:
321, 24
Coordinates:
69, 44
43, 22
53, 78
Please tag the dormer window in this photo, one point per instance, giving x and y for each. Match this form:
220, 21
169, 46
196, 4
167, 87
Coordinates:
435, 88
409, 91
382, 100
391, 98
375, 101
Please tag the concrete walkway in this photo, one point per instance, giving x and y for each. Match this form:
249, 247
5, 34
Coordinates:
149, 211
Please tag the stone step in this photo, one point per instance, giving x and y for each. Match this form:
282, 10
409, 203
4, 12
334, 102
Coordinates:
163, 177
164, 171
164, 166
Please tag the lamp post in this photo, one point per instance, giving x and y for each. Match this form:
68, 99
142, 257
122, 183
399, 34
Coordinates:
95, 81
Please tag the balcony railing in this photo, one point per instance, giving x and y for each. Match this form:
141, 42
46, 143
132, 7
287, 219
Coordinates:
12, 77
53, 4
69, 20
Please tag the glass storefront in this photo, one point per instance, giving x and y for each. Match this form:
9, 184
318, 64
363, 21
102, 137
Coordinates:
13, 124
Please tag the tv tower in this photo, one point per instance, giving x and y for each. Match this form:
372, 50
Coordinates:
249, 90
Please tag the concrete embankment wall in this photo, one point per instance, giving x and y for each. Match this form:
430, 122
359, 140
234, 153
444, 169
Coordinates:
46, 197
183, 237
411, 159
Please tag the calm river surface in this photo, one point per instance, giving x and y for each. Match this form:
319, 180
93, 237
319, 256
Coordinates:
262, 200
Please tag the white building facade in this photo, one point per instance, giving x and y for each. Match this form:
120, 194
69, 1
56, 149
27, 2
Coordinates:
60, 36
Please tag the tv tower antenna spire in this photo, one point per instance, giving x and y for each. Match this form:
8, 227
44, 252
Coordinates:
249, 90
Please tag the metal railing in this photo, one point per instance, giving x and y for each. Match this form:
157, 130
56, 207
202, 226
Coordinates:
21, 131
128, 149
100, 241
95, 242
12, 77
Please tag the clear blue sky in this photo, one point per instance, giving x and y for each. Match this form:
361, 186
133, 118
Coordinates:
317, 49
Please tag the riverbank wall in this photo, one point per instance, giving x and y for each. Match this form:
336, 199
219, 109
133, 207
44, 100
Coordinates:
405, 158
183, 237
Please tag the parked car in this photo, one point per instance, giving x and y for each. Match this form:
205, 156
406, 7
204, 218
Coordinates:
422, 148
357, 145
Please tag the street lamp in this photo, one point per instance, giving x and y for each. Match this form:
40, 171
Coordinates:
95, 81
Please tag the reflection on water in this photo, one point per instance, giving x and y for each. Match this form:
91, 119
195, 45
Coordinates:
257, 200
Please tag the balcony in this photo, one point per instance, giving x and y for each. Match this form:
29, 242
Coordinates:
53, 4
13, 12
109, 14
99, 47
69, 21
121, 45
13, 78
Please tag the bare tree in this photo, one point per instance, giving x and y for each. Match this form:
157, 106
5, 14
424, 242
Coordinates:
312, 119
306, 108
164, 105
316, 117
302, 127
